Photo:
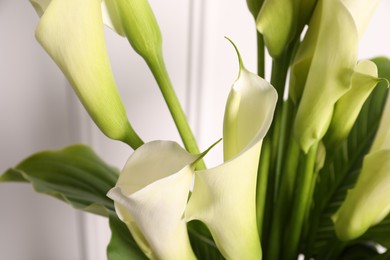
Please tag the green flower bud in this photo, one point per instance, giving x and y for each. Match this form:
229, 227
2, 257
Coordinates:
135, 19
254, 6
277, 22
280, 20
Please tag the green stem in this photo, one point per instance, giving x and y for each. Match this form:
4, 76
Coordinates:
260, 55
160, 73
301, 200
262, 181
278, 80
133, 139
283, 205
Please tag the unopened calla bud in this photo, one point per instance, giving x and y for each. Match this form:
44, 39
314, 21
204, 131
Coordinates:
254, 6
347, 108
138, 24
277, 22
71, 32
280, 20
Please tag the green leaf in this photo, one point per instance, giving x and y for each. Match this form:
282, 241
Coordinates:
342, 169
202, 242
361, 251
122, 245
75, 175
380, 233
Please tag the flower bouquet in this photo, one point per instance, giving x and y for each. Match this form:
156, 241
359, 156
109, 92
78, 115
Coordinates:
306, 169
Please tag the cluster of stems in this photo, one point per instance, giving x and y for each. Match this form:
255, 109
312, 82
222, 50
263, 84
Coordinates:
286, 175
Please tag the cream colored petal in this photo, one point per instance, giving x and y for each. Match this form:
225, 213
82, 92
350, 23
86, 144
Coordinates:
151, 195
249, 109
382, 138
368, 202
224, 197
348, 107
329, 64
361, 11
109, 13
71, 32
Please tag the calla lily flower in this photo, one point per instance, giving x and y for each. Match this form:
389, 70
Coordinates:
323, 67
224, 197
71, 32
151, 195
279, 21
347, 108
368, 203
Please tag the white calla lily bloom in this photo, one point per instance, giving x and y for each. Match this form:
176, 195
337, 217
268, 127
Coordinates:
151, 196
224, 197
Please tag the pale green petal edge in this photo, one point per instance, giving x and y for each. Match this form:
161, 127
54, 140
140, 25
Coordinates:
368, 202
109, 13
348, 107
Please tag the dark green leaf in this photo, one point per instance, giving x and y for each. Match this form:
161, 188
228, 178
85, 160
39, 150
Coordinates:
359, 251
75, 175
122, 246
79, 177
380, 233
202, 242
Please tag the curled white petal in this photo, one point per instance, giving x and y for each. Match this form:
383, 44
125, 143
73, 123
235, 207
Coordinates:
151, 196
224, 197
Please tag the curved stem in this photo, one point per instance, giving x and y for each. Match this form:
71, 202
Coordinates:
160, 73
133, 139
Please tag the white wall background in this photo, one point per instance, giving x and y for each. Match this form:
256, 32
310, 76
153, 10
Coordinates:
38, 111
